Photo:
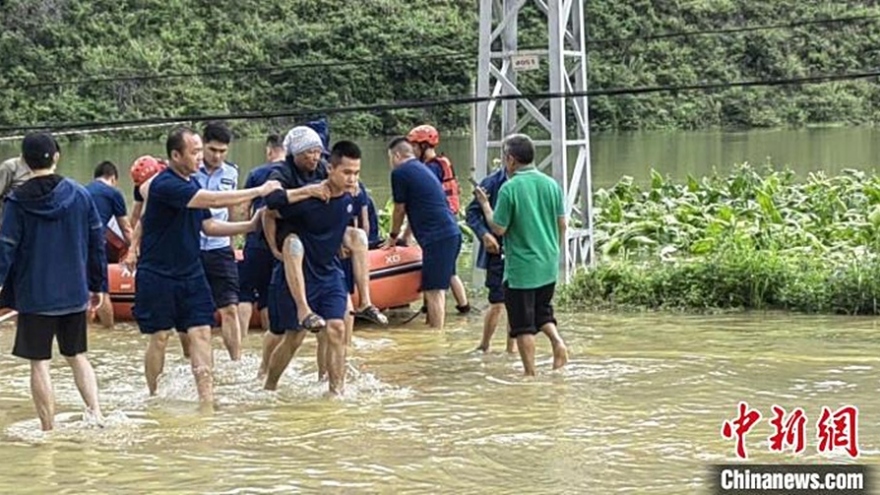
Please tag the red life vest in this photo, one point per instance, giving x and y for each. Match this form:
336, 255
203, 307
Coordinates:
449, 183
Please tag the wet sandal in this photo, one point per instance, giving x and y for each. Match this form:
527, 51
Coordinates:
372, 313
313, 322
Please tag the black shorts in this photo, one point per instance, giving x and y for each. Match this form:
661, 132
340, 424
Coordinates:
495, 278
34, 334
222, 273
529, 309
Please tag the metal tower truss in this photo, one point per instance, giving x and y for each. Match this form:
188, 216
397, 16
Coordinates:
559, 126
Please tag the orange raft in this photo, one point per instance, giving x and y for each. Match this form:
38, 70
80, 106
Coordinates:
395, 277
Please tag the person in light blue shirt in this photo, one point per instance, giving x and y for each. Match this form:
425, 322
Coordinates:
218, 258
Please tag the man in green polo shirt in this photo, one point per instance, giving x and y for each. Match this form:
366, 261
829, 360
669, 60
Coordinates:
530, 215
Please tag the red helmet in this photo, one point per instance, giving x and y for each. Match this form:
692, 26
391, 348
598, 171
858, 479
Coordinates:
424, 134
146, 167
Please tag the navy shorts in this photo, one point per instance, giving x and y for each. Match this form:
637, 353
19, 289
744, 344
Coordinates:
329, 301
34, 334
254, 274
222, 273
495, 278
529, 309
438, 263
163, 303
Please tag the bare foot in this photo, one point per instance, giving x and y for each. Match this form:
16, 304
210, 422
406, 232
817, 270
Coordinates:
560, 356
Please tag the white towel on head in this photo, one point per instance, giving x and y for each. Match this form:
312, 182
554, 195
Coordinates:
302, 138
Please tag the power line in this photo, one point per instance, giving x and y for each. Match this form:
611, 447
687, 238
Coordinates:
463, 100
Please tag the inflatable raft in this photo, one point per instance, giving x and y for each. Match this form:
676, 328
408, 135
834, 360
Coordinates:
395, 277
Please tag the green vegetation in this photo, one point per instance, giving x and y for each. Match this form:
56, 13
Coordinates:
752, 240
90, 45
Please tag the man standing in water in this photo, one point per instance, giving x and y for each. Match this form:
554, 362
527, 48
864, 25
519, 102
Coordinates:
111, 205
490, 256
419, 198
171, 290
51, 232
321, 226
531, 217
218, 259
255, 269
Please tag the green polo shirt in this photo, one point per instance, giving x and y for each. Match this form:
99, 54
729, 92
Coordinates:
529, 205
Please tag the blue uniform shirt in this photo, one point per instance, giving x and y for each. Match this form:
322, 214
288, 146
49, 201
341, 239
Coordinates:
413, 184
224, 178
108, 200
321, 228
170, 242
475, 218
256, 178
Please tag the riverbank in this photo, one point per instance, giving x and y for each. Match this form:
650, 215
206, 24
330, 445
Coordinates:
754, 239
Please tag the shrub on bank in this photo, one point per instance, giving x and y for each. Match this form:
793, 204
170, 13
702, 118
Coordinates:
752, 240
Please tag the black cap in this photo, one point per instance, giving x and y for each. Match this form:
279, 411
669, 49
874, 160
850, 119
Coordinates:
38, 150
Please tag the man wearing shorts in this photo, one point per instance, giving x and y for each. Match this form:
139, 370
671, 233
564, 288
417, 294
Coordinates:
51, 232
111, 205
530, 215
218, 258
490, 256
255, 268
321, 226
418, 197
171, 290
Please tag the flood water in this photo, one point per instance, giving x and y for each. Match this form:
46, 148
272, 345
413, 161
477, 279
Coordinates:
613, 155
638, 409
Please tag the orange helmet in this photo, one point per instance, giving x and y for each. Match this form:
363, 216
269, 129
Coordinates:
144, 168
424, 134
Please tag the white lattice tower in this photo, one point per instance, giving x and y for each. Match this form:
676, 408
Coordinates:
559, 126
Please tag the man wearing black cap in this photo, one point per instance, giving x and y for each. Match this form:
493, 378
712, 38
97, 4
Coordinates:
52, 234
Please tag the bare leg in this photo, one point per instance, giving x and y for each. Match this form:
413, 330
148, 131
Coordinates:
282, 356
202, 362
436, 302
560, 352
105, 312
460, 294
511, 342
154, 359
86, 383
321, 354
526, 344
264, 318
356, 242
43, 394
490, 322
293, 253
245, 312
336, 355
270, 342
230, 330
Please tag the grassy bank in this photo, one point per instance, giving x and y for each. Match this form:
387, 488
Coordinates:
756, 239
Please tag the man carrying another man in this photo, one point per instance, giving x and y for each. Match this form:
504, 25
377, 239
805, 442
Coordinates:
320, 224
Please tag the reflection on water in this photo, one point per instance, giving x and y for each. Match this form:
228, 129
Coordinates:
638, 410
